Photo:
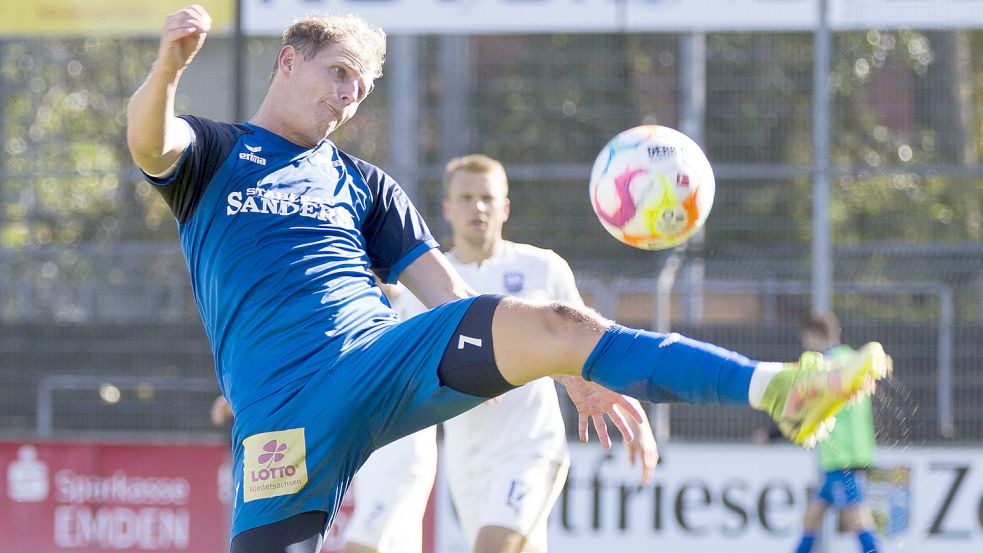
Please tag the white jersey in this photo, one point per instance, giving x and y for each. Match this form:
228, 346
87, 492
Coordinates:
506, 460
526, 420
391, 492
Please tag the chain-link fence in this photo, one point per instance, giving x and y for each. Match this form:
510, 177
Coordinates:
92, 283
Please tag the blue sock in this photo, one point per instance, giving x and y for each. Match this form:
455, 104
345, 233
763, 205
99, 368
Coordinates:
664, 368
867, 541
805, 546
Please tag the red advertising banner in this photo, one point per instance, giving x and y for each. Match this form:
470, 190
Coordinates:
100, 497
60, 496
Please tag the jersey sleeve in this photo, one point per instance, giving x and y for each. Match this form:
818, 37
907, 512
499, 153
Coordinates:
211, 142
562, 280
395, 232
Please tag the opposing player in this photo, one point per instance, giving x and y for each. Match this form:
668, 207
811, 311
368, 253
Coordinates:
282, 232
506, 459
845, 455
391, 493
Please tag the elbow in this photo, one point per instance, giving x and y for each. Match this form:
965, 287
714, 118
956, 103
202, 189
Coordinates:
140, 148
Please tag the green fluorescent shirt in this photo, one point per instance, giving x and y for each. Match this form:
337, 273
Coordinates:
852, 443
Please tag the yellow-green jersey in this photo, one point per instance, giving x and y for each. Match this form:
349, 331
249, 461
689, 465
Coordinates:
851, 444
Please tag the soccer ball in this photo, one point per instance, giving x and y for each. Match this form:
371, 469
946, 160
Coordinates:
652, 187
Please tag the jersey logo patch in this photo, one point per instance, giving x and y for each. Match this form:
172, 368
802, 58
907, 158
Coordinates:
670, 339
275, 463
251, 154
513, 282
462, 339
517, 492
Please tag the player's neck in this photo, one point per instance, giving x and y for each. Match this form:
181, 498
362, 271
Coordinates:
467, 252
268, 119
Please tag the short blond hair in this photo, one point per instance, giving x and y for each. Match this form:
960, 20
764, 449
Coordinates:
474, 163
311, 34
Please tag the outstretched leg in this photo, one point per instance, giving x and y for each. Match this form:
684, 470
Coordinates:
532, 340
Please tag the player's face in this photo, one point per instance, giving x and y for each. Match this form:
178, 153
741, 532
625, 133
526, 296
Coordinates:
326, 90
476, 206
813, 341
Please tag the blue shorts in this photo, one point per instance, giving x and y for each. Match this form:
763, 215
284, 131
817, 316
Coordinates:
843, 488
298, 450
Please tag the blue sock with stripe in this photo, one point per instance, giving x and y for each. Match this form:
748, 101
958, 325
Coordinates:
867, 543
805, 546
664, 368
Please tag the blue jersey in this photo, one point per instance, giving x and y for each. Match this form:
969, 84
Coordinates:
282, 242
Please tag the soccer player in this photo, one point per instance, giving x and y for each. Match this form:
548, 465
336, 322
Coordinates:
391, 493
507, 459
284, 234
845, 454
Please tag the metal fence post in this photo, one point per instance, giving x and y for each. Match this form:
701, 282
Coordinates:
822, 257
947, 425
404, 109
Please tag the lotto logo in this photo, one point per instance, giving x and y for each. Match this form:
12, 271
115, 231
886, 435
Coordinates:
273, 453
275, 464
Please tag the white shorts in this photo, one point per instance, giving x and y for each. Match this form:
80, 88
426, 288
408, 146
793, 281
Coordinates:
518, 495
391, 491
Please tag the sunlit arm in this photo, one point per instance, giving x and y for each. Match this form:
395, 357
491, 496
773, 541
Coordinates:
434, 281
155, 137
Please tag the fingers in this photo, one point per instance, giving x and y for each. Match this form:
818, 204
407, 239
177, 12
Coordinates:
582, 426
191, 20
602, 430
631, 406
618, 418
220, 411
648, 469
644, 450
647, 458
632, 449
182, 36
650, 460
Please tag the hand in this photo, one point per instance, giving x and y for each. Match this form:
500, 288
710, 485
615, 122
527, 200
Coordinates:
181, 38
760, 437
221, 411
643, 446
593, 402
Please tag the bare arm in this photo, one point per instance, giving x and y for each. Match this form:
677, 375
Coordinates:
434, 281
156, 137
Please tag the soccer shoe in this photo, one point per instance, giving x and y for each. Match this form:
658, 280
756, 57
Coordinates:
803, 398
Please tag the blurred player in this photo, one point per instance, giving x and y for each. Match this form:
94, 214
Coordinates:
220, 413
506, 459
391, 492
845, 454
284, 234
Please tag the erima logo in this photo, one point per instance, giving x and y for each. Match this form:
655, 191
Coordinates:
462, 339
251, 156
